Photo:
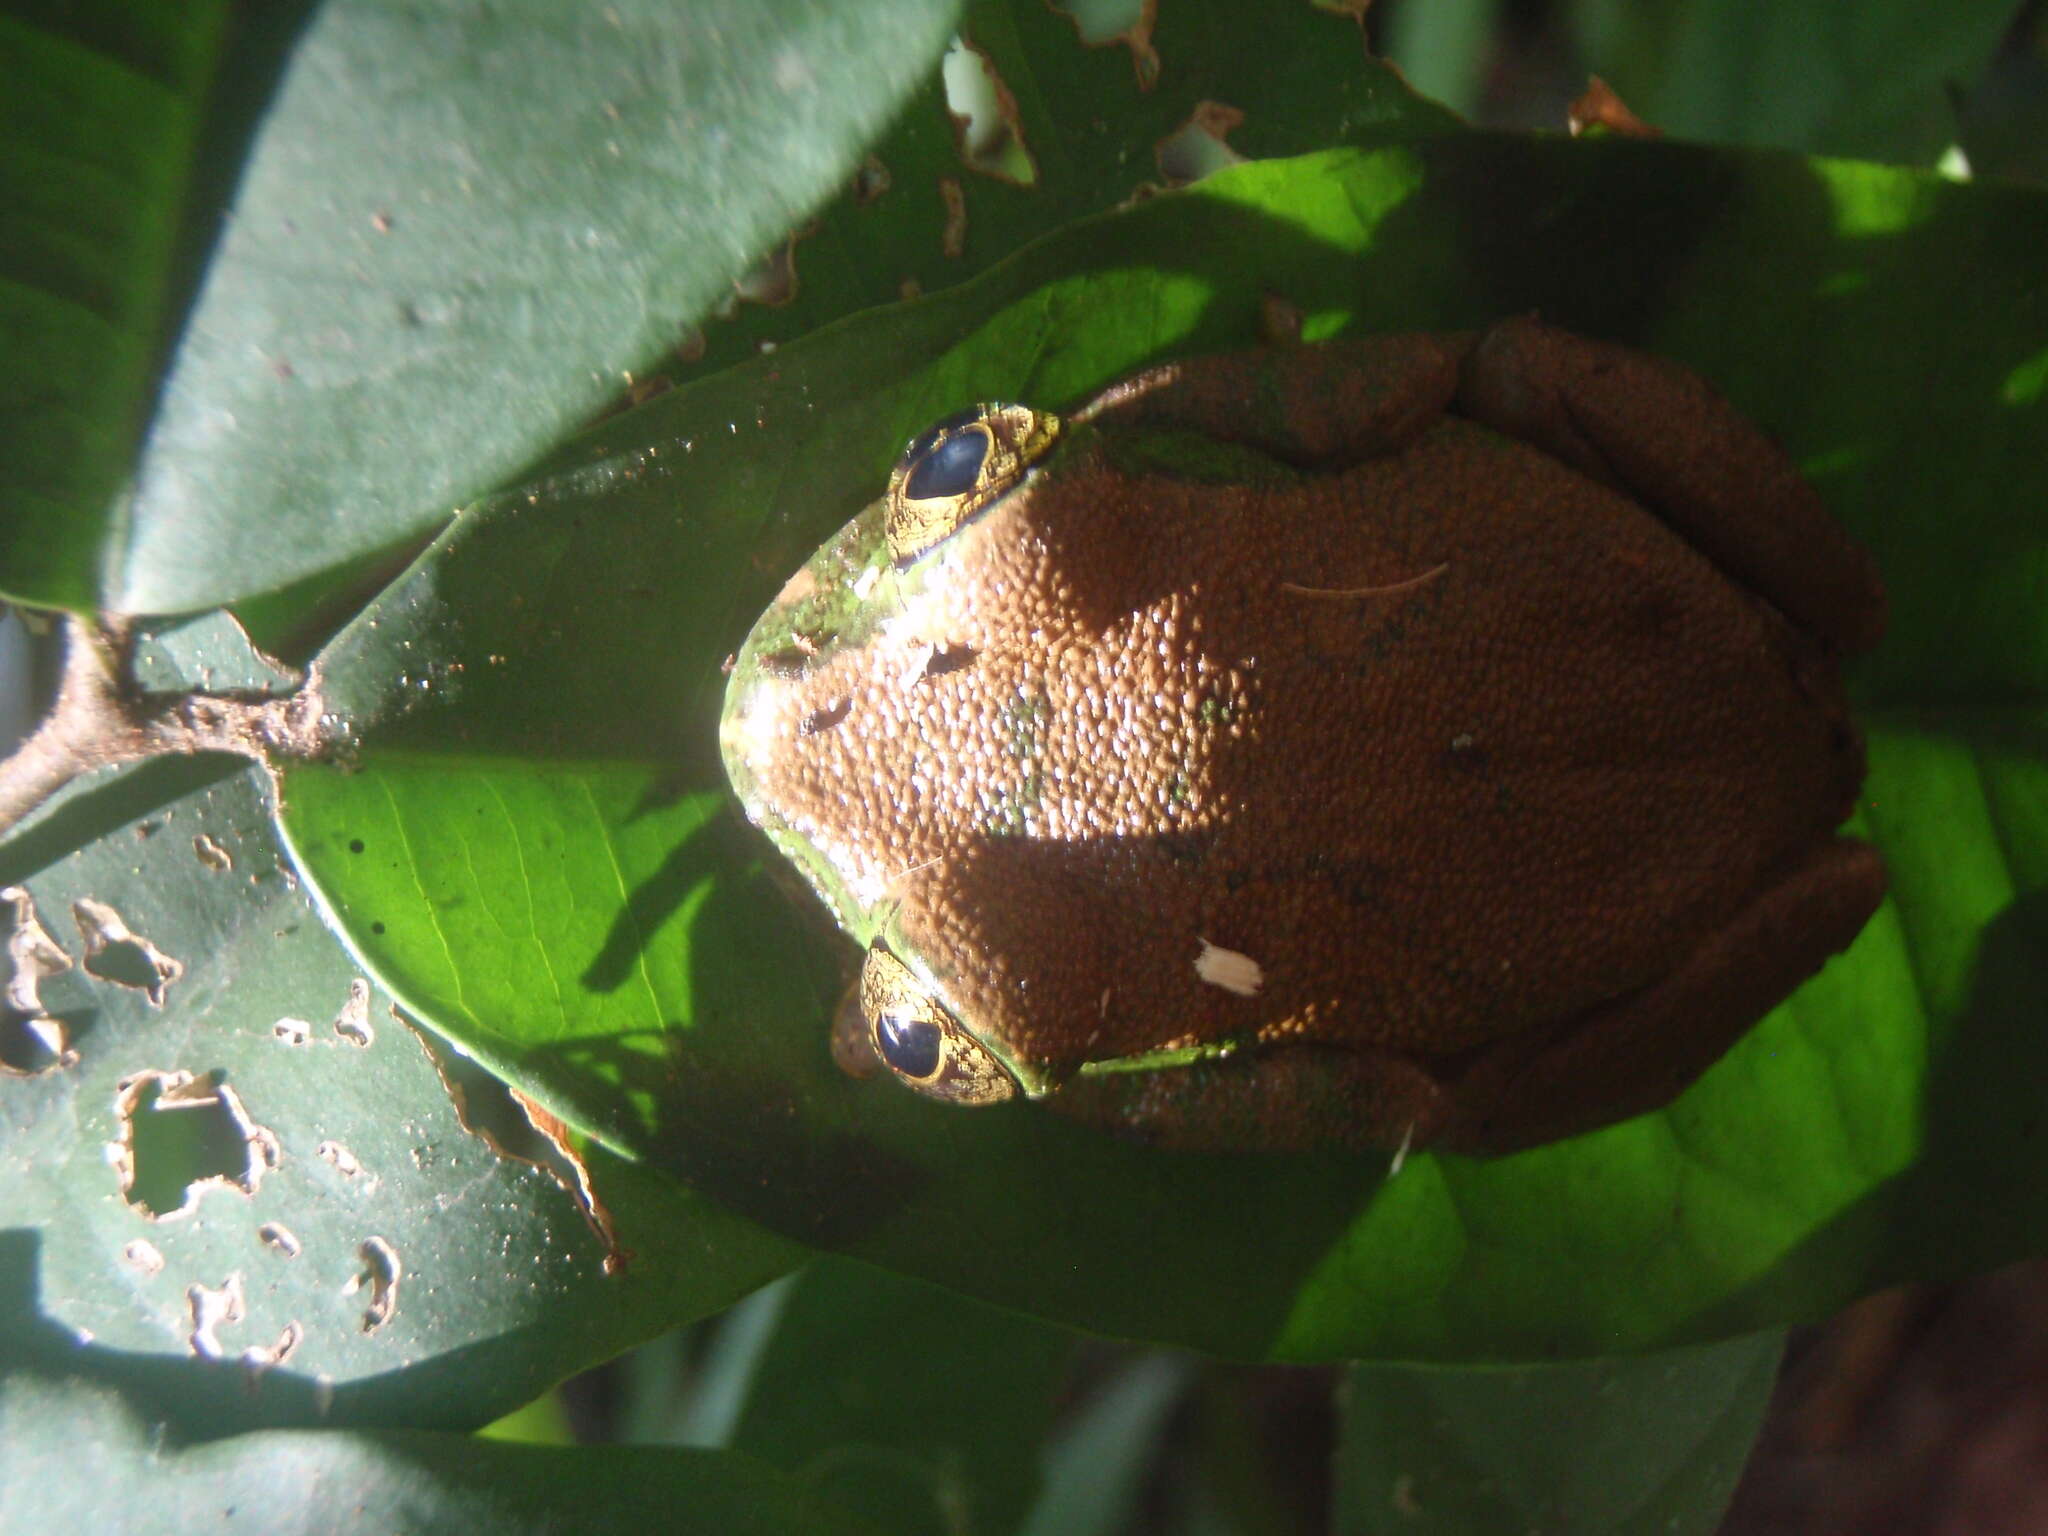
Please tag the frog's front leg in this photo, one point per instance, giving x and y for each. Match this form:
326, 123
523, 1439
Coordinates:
1662, 434
1320, 406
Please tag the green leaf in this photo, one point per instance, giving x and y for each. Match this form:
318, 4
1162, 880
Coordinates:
1871, 79
1087, 132
917, 1408
100, 126
293, 1145
1646, 1447
74, 1457
536, 821
457, 230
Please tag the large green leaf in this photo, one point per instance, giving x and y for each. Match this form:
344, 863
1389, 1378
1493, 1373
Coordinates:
99, 129
1092, 130
1644, 1447
534, 848
1871, 79
919, 1409
73, 1458
299, 1145
457, 232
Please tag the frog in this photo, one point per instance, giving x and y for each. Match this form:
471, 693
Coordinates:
1419, 740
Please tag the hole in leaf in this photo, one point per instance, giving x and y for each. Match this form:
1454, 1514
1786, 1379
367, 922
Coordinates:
32, 955
31, 1045
181, 1134
771, 281
115, 953
353, 1022
211, 1311
987, 128
1101, 23
1198, 147
380, 1273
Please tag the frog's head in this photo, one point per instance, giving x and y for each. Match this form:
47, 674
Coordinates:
861, 788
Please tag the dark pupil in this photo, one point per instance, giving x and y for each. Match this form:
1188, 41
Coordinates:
909, 1045
926, 440
950, 469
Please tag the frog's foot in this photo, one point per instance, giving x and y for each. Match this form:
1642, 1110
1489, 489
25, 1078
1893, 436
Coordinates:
1280, 1098
1664, 436
1637, 1053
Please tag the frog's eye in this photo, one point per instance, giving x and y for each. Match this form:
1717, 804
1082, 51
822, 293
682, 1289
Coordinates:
959, 467
920, 1042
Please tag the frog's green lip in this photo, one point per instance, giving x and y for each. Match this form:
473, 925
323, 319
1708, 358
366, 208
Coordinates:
1161, 1060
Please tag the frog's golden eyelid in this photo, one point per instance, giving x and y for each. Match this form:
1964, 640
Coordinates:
920, 1042
956, 469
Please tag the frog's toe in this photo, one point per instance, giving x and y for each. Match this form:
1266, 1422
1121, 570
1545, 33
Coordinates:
1639, 1052
1663, 435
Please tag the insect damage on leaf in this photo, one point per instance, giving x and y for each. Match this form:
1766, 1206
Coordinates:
353, 1022
988, 130
213, 1310
380, 1273
181, 1135
31, 1041
113, 952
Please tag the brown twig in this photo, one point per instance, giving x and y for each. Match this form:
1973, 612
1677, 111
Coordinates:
99, 721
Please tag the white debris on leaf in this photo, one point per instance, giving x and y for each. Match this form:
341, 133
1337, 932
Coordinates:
1230, 970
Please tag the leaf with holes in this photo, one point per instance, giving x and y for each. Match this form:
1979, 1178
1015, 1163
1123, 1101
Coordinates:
1036, 118
244, 1190
287, 1482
